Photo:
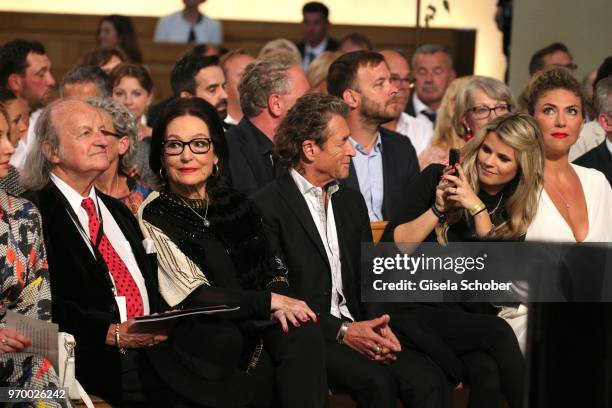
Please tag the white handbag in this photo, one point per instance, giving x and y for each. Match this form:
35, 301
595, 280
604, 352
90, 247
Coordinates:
66, 370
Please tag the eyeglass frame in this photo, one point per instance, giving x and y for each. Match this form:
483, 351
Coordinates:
183, 144
409, 79
508, 107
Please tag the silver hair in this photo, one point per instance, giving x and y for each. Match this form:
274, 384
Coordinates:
124, 124
267, 75
429, 49
37, 166
603, 96
494, 88
82, 74
281, 44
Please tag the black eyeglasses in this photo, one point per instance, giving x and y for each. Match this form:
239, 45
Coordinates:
396, 81
483, 112
197, 146
109, 133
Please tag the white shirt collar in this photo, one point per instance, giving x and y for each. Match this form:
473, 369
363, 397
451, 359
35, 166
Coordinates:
609, 144
74, 198
307, 187
316, 50
419, 105
230, 121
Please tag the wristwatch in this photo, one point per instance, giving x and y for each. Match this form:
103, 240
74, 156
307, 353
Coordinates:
342, 332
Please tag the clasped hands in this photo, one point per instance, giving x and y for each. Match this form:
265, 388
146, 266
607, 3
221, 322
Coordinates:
455, 190
374, 339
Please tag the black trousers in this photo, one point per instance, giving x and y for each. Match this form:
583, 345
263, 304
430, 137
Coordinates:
413, 378
485, 345
141, 386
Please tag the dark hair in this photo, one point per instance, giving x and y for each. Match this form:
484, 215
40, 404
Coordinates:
316, 7
308, 119
13, 57
551, 78
132, 70
88, 73
101, 55
182, 77
126, 33
604, 70
343, 71
202, 49
189, 107
6, 95
357, 39
537, 59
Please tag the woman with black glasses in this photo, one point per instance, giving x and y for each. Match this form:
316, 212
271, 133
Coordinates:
212, 250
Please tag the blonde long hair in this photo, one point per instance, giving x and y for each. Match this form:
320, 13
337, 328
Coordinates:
445, 136
521, 132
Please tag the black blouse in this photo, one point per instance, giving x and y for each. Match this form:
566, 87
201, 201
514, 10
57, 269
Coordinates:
232, 251
421, 195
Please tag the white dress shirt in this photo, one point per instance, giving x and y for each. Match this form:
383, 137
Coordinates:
326, 225
419, 107
230, 121
175, 29
418, 130
313, 52
112, 231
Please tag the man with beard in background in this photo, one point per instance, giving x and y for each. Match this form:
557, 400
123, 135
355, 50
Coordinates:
385, 161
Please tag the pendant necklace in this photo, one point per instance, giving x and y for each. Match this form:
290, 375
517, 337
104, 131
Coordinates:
497, 206
204, 220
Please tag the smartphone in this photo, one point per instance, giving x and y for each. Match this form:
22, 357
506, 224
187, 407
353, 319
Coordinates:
453, 158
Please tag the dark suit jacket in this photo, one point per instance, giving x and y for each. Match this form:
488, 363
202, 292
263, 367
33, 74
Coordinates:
598, 158
332, 45
294, 235
82, 298
410, 107
400, 166
249, 165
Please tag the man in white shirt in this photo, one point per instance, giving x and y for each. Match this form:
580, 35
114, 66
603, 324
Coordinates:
433, 72
318, 227
25, 69
189, 26
315, 25
102, 277
419, 130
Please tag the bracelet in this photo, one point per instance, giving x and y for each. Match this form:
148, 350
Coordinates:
121, 349
441, 216
477, 209
342, 332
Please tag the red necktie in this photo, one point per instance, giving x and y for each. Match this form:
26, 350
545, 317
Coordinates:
125, 284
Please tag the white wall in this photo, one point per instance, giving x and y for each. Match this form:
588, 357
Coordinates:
585, 27
475, 14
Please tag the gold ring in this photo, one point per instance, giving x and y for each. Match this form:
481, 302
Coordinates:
4, 341
378, 350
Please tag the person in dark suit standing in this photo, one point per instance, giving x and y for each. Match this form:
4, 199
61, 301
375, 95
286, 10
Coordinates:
101, 277
268, 89
317, 226
315, 24
600, 158
385, 161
